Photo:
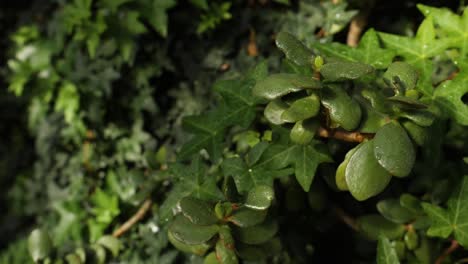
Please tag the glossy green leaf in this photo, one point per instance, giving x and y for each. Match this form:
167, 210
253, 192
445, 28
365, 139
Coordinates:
293, 48
225, 248
393, 211
277, 85
406, 102
301, 109
188, 233
454, 219
344, 70
411, 203
39, 244
448, 95
372, 226
199, 249
364, 176
420, 117
342, 109
368, 51
340, 175
386, 253
394, 150
111, 243
260, 197
411, 239
401, 76
210, 259
303, 131
274, 110
306, 160
258, 234
417, 133
245, 217
198, 211
418, 50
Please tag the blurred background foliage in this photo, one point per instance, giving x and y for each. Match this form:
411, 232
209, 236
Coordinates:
93, 94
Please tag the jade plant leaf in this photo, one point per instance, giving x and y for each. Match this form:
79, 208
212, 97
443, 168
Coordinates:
301, 109
245, 217
258, 234
372, 226
344, 70
294, 49
454, 219
199, 249
386, 253
277, 85
39, 244
401, 76
368, 51
260, 197
198, 211
393, 211
189, 233
342, 109
303, 131
340, 175
364, 176
274, 110
394, 150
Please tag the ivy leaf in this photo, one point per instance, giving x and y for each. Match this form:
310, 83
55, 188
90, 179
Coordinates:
237, 108
451, 24
386, 253
368, 51
418, 50
155, 11
454, 218
449, 96
190, 180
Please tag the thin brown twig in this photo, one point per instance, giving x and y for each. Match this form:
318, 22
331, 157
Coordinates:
343, 135
144, 208
252, 48
454, 245
348, 220
358, 23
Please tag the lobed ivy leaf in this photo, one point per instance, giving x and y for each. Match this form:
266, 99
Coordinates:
453, 219
368, 51
418, 51
449, 96
451, 25
386, 253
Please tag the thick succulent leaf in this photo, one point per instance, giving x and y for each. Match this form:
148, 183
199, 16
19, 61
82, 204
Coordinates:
274, 110
198, 211
342, 109
386, 253
454, 218
394, 150
260, 197
303, 131
368, 51
294, 49
258, 234
406, 102
301, 109
39, 244
340, 175
364, 176
344, 70
393, 211
245, 217
401, 75
188, 233
372, 226
277, 85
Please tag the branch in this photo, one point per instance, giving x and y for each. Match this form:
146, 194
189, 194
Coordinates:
348, 220
343, 135
453, 246
144, 208
252, 49
355, 29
